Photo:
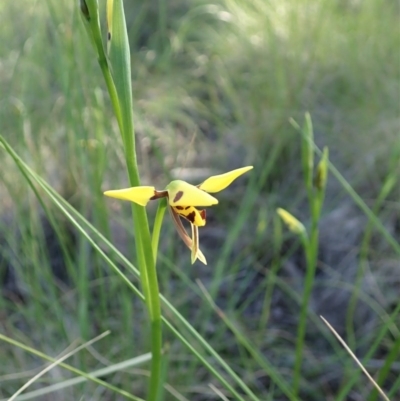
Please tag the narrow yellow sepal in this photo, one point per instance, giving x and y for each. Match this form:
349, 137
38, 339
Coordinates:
198, 255
180, 193
196, 252
217, 183
293, 224
201, 257
139, 195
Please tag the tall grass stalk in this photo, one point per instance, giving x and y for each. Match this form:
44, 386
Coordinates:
117, 74
315, 184
311, 251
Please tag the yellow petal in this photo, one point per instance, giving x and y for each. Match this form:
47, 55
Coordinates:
139, 195
217, 183
181, 193
185, 237
190, 213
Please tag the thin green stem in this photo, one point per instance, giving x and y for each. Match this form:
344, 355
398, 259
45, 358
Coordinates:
310, 246
316, 193
148, 273
162, 205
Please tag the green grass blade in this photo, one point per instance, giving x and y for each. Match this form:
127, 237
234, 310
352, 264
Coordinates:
68, 367
78, 380
256, 354
55, 363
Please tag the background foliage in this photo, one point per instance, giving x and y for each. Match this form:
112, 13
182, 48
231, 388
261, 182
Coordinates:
214, 87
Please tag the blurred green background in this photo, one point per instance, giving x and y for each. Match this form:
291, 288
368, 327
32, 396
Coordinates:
214, 85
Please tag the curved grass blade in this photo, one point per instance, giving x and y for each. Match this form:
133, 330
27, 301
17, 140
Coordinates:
78, 380
55, 363
68, 367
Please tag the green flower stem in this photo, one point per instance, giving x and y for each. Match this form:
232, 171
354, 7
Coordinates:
316, 194
117, 74
162, 205
148, 276
147, 267
310, 246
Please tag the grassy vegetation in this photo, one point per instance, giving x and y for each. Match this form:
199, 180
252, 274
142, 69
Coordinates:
214, 86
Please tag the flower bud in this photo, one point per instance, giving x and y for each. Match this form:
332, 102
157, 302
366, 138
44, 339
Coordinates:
293, 224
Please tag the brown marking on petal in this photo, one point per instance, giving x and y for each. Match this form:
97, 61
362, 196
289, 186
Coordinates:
179, 207
191, 217
187, 207
178, 196
203, 214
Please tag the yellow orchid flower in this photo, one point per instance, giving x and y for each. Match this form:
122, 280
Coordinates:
184, 200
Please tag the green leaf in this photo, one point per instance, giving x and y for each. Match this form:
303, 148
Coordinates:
120, 62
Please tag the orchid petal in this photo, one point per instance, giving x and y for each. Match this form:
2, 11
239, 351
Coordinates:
201, 257
139, 195
183, 194
196, 253
190, 213
217, 183
179, 227
189, 242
